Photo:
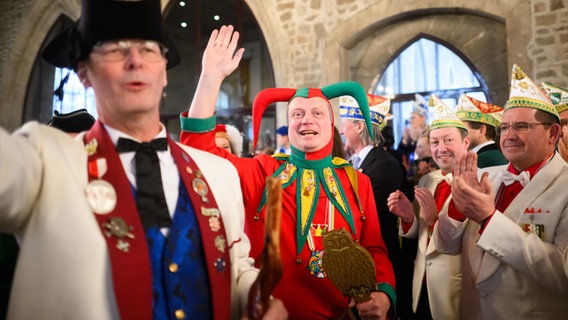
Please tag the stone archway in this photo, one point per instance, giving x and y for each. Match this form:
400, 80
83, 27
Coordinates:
361, 47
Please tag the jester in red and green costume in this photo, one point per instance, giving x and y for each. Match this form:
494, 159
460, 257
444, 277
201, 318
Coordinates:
319, 193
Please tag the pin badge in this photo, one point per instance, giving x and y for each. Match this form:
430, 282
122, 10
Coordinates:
101, 196
91, 147
210, 212
116, 227
214, 224
220, 264
220, 243
200, 188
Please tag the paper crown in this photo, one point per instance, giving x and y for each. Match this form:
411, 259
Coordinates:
444, 117
232, 134
470, 109
526, 94
104, 20
558, 96
379, 107
270, 95
419, 105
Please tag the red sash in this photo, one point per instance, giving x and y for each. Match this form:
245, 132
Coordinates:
131, 271
132, 279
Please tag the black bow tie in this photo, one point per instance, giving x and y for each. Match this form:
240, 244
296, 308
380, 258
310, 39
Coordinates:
128, 145
150, 199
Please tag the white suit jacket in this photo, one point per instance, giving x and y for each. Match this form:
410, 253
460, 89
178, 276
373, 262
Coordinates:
510, 273
63, 270
443, 272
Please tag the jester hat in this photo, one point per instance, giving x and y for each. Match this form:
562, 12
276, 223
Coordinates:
379, 107
268, 96
526, 94
557, 95
470, 109
444, 117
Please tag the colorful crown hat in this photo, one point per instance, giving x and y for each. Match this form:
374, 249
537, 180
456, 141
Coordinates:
526, 94
268, 96
470, 109
444, 117
379, 107
419, 105
557, 95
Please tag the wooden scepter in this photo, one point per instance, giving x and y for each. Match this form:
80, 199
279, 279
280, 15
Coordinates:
271, 269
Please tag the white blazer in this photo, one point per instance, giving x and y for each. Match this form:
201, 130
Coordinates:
442, 271
510, 273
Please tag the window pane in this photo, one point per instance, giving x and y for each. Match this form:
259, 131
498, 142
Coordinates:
74, 94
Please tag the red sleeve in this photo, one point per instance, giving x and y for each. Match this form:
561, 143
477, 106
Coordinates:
454, 213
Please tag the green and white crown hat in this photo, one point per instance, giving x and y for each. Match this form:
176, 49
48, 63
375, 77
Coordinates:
443, 116
557, 95
471, 109
526, 94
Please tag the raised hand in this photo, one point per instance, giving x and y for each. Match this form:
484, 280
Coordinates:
219, 60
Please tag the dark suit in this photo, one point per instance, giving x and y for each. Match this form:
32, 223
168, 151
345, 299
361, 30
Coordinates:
387, 175
489, 156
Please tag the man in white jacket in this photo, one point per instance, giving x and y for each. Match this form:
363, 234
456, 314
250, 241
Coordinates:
437, 277
514, 226
96, 241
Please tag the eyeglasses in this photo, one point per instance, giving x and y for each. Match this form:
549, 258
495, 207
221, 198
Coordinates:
113, 51
518, 127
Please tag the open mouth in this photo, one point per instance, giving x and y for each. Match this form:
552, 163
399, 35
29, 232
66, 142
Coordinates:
308, 132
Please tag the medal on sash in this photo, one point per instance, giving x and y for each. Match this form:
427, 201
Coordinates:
99, 193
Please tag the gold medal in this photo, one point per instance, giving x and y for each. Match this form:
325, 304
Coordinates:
101, 196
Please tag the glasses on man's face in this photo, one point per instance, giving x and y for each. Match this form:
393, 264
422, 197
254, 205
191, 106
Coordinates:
111, 51
519, 127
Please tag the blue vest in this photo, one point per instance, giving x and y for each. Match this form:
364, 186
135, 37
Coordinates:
179, 275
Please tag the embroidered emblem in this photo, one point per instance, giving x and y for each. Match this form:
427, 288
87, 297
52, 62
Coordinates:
214, 224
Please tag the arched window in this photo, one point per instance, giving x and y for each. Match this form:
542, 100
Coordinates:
424, 66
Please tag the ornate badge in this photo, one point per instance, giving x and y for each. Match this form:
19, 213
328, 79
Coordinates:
91, 147
220, 243
315, 265
200, 187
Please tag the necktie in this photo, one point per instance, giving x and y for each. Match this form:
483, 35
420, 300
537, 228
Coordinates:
150, 199
509, 178
355, 160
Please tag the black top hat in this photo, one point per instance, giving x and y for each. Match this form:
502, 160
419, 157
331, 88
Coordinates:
103, 20
72, 122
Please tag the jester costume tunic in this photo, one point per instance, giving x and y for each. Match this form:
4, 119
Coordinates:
327, 192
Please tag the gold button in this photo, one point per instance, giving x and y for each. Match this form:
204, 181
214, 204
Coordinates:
173, 267
180, 314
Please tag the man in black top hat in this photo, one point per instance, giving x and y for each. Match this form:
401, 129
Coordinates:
121, 222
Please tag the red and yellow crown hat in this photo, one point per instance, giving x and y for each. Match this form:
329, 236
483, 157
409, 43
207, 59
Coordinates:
526, 94
379, 107
557, 95
444, 117
471, 109
271, 95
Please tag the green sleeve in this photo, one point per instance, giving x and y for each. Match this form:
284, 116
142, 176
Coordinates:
197, 125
